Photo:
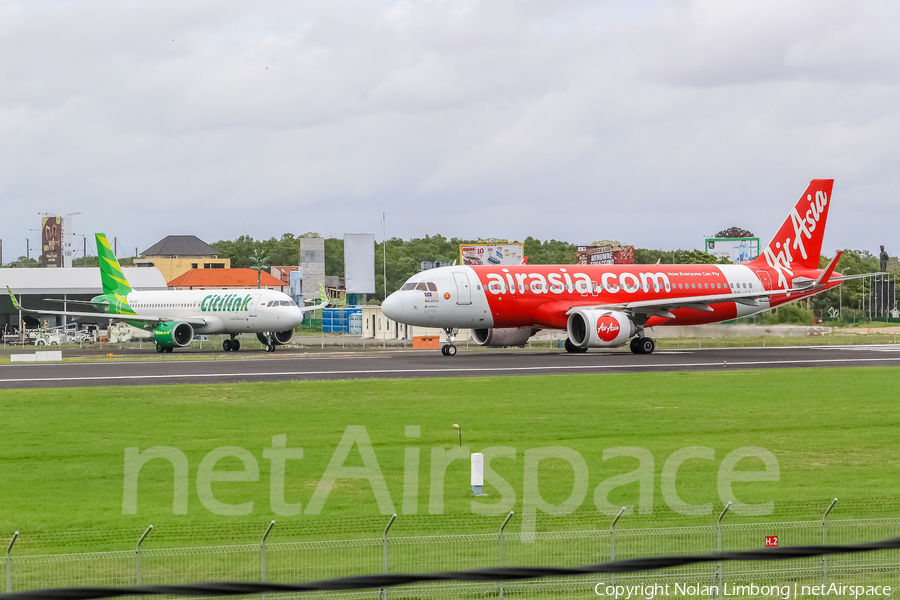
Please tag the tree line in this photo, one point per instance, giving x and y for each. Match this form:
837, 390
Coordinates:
404, 258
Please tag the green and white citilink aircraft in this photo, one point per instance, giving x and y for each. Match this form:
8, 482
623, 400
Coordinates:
176, 316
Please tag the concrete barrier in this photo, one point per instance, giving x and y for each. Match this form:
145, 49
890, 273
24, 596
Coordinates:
40, 356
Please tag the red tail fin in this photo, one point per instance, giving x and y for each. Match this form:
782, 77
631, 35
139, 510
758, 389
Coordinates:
798, 243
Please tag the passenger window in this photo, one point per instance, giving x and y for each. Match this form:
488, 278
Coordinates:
433, 288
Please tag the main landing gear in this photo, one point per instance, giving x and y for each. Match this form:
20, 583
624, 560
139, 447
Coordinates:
232, 345
573, 349
642, 345
449, 349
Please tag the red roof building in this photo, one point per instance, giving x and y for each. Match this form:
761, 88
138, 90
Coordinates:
223, 279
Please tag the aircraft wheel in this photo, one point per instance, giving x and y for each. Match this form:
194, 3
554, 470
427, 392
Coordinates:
635, 345
270, 348
450, 350
235, 345
647, 345
226, 345
159, 348
169, 349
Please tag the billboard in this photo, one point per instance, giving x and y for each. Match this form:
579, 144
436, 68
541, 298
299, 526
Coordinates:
491, 254
359, 263
739, 250
605, 253
51, 242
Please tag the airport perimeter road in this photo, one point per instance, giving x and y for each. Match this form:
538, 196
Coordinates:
421, 364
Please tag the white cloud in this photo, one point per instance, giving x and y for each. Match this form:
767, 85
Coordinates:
653, 123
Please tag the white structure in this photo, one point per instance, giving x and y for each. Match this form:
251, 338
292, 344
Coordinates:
477, 473
377, 326
32, 286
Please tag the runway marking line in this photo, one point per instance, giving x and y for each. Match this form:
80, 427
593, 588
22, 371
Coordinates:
447, 370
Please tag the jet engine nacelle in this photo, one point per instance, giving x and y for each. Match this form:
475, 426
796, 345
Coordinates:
173, 334
512, 336
599, 328
279, 337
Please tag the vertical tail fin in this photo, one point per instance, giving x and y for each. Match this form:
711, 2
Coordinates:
798, 243
111, 275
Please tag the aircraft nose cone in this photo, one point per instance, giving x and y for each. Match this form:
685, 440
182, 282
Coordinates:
392, 307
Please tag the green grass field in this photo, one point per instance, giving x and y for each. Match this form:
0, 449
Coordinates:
833, 432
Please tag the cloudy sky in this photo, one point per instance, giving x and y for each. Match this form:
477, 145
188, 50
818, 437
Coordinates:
654, 123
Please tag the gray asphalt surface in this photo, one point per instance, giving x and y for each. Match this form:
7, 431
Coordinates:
425, 364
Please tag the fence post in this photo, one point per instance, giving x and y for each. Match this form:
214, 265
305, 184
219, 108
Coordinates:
8, 570
262, 556
137, 555
502, 527
825, 539
612, 540
383, 593
719, 547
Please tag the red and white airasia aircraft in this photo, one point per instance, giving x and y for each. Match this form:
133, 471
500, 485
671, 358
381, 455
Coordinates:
605, 306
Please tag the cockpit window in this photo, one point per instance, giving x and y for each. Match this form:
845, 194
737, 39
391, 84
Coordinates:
422, 287
431, 287
408, 286
272, 303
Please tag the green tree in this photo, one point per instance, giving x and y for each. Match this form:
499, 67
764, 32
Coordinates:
643, 256
24, 263
259, 260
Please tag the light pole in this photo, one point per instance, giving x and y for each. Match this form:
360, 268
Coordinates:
841, 298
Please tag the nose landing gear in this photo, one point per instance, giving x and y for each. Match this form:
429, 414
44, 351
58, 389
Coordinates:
642, 345
449, 349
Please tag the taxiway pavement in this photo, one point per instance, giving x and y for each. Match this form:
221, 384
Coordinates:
429, 364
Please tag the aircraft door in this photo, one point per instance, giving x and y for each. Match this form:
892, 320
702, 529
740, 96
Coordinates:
463, 291
764, 278
254, 301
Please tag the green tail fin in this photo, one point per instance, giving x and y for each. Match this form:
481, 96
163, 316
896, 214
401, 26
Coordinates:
111, 274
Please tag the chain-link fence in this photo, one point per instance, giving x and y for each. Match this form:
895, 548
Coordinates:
310, 561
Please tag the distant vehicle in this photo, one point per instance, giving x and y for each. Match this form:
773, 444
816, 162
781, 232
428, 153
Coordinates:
605, 306
175, 317
48, 338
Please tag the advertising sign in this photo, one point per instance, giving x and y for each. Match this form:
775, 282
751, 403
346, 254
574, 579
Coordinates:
491, 254
605, 253
51, 242
739, 250
359, 263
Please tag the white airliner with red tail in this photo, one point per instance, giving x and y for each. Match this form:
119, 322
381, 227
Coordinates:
605, 306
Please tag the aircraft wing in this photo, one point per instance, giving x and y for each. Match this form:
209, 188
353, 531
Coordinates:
860, 276
115, 316
662, 307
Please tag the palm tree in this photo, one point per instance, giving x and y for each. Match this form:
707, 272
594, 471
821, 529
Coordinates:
259, 260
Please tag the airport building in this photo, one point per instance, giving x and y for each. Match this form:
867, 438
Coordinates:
377, 326
223, 279
176, 254
33, 287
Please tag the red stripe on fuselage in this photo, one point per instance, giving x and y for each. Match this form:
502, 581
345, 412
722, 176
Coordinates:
540, 295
